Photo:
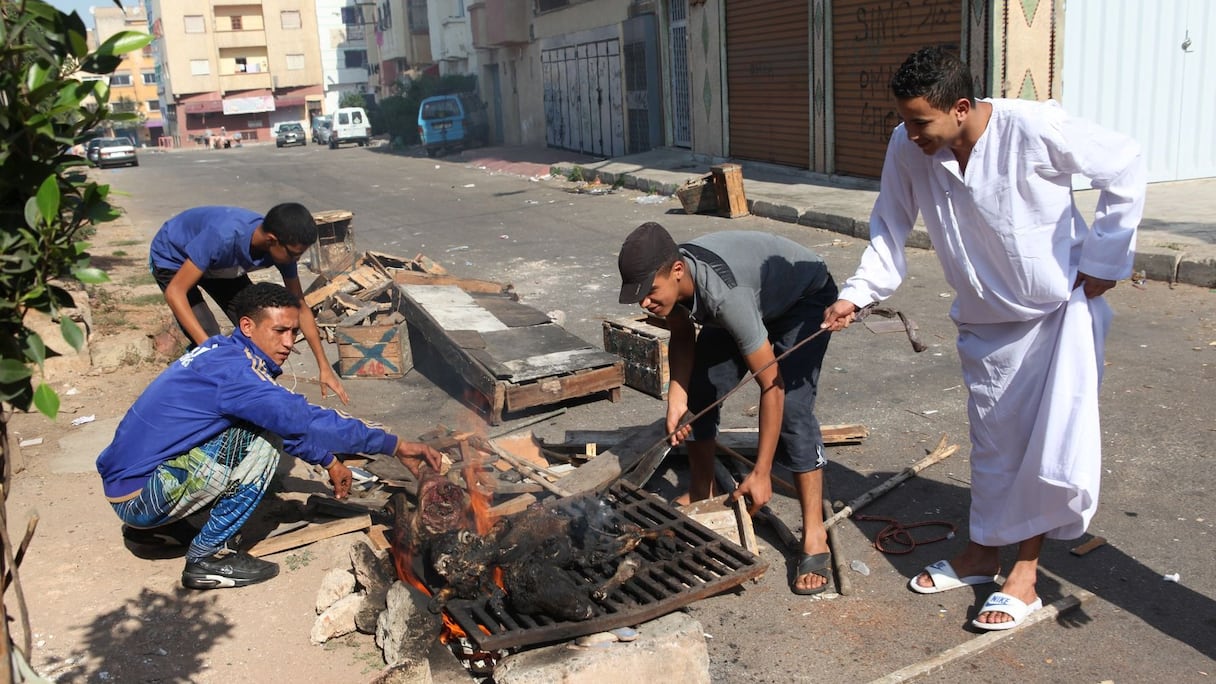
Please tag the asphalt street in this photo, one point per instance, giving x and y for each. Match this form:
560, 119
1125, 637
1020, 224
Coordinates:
559, 248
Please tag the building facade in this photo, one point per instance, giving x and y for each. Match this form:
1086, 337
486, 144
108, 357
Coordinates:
133, 85
343, 35
400, 44
236, 66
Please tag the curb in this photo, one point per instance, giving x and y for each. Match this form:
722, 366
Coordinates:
1192, 265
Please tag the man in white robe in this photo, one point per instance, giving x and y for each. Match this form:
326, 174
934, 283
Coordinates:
992, 180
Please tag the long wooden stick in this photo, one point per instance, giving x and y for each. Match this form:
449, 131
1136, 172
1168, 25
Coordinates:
941, 453
844, 583
982, 642
532, 472
778, 482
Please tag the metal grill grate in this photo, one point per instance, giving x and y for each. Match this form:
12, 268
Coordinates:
705, 564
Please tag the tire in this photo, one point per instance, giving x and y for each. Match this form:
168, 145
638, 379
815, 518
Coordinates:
333, 144
135, 163
279, 145
431, 151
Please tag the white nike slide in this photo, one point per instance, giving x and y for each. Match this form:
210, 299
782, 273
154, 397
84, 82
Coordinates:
945, 578
1001, 602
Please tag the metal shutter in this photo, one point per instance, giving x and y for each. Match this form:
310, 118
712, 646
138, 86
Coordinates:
768, 81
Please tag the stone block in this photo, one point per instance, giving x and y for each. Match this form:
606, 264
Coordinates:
337, 620
777, 212
70, 362
406, 628
336, 584
669, 649
1198, 268
373, 574
1157, 263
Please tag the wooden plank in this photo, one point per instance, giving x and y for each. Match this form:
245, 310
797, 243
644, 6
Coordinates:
376, 535
511, 312
310, 535
554, 389
604, 469
428, 265
560, 363
340, 281
452, 308
512, 506
742, 440
466, 284
473, 372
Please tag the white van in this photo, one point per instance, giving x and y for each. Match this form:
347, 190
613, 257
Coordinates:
350, 124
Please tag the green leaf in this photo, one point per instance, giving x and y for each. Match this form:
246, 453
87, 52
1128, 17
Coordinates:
35, 349
46, 400
71, 332
90, 275
12, 370
125, 41
48, 198
33, 218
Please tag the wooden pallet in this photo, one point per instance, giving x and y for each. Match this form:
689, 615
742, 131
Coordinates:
508, 353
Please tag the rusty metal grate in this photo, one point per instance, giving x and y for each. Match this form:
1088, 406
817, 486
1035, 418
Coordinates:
703, 565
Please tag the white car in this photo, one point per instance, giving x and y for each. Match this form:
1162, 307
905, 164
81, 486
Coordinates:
115, 152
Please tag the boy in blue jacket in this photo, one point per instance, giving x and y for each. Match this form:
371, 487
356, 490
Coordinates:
209, 430
214, 248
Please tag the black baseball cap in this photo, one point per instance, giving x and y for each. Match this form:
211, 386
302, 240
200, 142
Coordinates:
645, 252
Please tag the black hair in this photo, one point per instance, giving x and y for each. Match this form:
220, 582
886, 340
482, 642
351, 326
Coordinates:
291, 223
936, 75
256, 298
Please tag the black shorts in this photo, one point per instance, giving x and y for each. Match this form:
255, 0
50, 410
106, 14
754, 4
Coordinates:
222, 290
719, 366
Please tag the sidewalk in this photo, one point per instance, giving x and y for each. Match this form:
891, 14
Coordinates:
1177, 241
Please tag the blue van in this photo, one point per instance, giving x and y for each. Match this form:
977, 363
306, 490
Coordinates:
451, 121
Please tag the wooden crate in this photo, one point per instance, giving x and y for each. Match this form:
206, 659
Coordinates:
642, 342
373, 351
334, 250
728, 185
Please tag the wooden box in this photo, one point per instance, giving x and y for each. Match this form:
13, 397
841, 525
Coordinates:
728, 185
373, 351
334, 250
697, 195
642, 342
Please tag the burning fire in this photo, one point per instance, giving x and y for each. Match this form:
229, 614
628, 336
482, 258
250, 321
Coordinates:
480, 520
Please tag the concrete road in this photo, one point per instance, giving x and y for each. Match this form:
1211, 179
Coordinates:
559, 250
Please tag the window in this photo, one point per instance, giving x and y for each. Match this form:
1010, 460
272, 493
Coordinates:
149, 77
416, 11
148, 50
351, 16
546, 5
459, 8
290, 20
237, 24
194, 24
124, 106
200, 67
120, 80
385, 11
153, 105
355, 58
295, 62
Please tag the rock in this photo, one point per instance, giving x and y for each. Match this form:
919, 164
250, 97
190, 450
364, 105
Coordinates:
337, 620
70, 362
406, 629
374, 574
336, 584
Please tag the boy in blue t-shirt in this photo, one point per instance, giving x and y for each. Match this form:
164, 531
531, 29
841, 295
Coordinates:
215, 247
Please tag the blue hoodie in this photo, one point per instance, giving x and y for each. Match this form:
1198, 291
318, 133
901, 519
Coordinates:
224, 382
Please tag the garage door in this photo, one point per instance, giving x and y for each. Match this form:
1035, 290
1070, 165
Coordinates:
1146, 69
767, 75
871, 38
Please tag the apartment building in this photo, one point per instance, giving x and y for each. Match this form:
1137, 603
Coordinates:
133, 86
402, 45
237, 66
343, 35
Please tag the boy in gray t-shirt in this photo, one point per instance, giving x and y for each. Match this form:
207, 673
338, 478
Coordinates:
755, 296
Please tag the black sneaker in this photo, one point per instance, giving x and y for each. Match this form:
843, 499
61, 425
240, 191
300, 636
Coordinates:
166, 541
227, 569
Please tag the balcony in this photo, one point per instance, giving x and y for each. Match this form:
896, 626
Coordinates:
499, 23
240, 39
245, 81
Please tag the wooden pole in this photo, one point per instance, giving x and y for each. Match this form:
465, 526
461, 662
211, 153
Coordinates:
982, 642
777, 482
941, 453
844, 583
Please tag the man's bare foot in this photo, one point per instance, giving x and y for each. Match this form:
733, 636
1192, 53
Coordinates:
1020, 585
974, 560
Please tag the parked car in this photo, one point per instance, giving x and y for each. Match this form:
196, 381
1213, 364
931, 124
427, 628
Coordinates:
450, 121
290, 134
111, 152
350, 124
321, 126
